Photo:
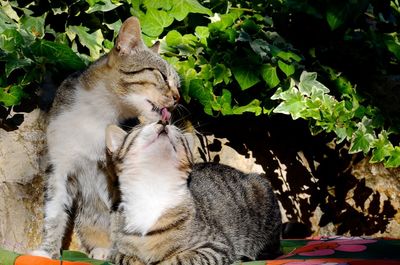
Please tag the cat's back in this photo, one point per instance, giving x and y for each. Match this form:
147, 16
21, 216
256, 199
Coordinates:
65, 93
216, 184
242, 206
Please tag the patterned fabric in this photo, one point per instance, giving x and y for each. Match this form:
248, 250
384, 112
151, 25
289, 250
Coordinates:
338, 251
314, 251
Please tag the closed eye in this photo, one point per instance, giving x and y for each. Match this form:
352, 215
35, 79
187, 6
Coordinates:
124, 83
135, 72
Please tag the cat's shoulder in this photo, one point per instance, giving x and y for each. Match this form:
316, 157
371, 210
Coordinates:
212, 166
211, 172
217, 168
65, 93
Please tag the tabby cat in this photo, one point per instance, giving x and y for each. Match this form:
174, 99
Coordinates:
132, 80
172, 211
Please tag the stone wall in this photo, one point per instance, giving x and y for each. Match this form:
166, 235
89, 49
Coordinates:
316, 181
21, 184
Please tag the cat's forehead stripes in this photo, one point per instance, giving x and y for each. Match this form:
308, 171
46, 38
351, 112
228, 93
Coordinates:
127, 143
186, 155
147, 75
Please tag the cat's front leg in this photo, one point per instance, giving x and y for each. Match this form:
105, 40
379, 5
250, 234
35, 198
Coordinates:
119, 258
200, 256
60, 192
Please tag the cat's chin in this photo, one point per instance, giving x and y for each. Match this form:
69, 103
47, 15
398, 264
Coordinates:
40, 253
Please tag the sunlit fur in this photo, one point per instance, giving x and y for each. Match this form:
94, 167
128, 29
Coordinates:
131, 81
172, 211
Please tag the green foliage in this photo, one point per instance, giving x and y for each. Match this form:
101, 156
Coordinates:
26, 55
310, 100
233, 57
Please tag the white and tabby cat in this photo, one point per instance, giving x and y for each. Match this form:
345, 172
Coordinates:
172, 211
131, 81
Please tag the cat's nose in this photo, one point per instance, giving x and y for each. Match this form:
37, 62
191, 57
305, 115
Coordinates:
163, 122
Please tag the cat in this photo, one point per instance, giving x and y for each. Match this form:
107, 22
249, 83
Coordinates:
130, 81
172, 211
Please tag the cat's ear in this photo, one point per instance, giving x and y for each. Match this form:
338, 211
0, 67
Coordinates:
129, 36
156, 47
114, 138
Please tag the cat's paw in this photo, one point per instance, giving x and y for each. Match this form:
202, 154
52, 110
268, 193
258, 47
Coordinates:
40, 253
122, 259
99, 253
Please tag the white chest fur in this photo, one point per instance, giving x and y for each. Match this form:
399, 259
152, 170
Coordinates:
79, 132
145, 199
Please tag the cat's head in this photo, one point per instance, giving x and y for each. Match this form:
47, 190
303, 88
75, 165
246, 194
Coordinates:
143, 81
155, 146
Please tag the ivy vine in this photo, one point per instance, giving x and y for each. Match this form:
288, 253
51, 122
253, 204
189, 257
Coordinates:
233, 57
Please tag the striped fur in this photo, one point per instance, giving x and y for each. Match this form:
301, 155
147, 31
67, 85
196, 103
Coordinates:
132, 81
175, 212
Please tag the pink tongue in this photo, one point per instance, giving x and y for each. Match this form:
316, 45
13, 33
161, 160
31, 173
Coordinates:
165, 115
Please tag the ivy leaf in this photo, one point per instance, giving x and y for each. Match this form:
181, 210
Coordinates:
181, 8
253, 106
154, 22
13, 63
225, 21
189, 39
156, 4
341, 134
393, 44
270, 76
288, 56
221, 74
93, 41
293, 102
190, 74
202, 33
223, 102
245, 76
334, 20
261, 47
394, 159
115, 26
310, 86
33, 25
7, 9
102, 6
288, 69
203, 93
11, 95
173, 38
58, 53
11, 40
382, 148
336, 16
362, 140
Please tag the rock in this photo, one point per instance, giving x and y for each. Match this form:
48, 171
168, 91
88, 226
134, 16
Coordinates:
386, 183
317, 181
21, 184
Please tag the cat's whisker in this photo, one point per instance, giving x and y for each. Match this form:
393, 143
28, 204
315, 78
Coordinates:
181, 119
